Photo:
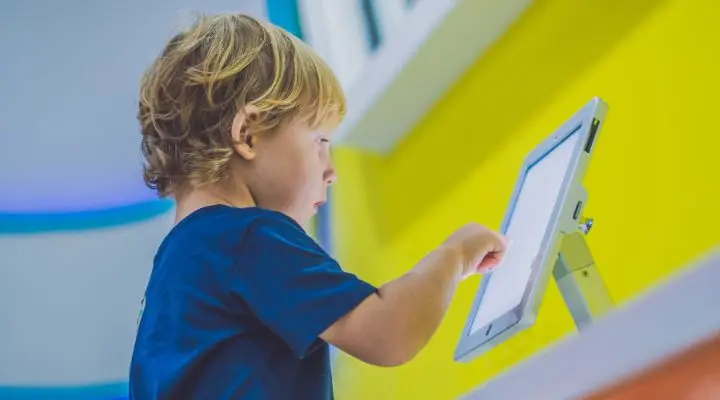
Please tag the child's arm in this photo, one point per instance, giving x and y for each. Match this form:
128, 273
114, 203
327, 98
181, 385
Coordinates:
297, 290
389, 328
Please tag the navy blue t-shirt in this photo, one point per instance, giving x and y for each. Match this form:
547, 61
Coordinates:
233, 309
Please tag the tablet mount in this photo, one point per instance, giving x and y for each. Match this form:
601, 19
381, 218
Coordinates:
581, 285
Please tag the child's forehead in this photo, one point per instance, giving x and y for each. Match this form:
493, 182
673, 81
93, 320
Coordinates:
328, 133
303, 125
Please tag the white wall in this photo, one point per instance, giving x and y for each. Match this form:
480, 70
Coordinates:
68, 96
69, 302
69, 141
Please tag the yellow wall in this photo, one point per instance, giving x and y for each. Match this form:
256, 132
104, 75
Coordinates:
653, 182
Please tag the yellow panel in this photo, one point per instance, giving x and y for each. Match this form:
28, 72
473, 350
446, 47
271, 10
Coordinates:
653, 183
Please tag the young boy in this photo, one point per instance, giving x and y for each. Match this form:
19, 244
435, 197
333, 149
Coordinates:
236, 117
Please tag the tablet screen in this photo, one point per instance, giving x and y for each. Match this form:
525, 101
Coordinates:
531, 215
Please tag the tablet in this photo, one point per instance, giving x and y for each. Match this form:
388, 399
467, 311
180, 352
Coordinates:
546, 203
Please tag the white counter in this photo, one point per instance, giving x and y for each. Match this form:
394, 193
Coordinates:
670, 317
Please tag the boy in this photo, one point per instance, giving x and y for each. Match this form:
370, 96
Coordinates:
241, 303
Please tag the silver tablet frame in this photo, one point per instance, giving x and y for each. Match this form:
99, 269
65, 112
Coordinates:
587, 122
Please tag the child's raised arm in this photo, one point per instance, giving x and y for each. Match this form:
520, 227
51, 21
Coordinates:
389, 328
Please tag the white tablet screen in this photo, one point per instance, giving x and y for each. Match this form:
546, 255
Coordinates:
528, 223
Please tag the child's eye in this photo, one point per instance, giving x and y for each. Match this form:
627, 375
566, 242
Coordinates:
323, 140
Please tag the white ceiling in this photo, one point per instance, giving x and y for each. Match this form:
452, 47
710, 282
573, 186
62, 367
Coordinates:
69, 75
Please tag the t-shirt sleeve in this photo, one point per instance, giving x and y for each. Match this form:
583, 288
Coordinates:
292, 285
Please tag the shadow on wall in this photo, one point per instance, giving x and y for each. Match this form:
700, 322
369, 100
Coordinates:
522, 73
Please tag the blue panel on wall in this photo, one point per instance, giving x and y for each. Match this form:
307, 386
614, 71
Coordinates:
284, 13
107, 391
23, 223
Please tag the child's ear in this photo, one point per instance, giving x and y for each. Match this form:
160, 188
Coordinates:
242, 136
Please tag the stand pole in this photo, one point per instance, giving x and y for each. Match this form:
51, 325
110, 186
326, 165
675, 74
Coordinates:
580, 283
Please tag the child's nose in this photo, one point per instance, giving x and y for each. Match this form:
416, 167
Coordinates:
329, 176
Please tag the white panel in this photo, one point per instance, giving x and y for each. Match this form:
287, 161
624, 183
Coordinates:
424, 49
390, 15
337, 31
413, 68
349, 40
69, 302
315, 28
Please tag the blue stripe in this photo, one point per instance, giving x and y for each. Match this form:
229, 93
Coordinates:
284, 13
371, 25
24, 223
107, 391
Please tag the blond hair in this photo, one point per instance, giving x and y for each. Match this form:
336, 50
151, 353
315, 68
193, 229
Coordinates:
206, 75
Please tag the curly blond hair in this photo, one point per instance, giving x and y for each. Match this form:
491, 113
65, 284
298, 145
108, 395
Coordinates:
206, 75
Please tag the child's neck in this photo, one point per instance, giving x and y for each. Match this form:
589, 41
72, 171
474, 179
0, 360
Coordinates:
193, 199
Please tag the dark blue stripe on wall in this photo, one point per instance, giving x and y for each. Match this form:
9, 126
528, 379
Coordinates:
284, 13
371, 25
24, 223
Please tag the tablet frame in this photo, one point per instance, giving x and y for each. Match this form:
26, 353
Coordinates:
587, 122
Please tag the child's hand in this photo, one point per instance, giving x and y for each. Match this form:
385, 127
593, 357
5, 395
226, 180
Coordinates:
480, 249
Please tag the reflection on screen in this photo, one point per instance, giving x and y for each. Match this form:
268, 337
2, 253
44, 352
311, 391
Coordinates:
528, 223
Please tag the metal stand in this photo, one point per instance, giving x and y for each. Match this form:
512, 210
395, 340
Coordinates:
580, 283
